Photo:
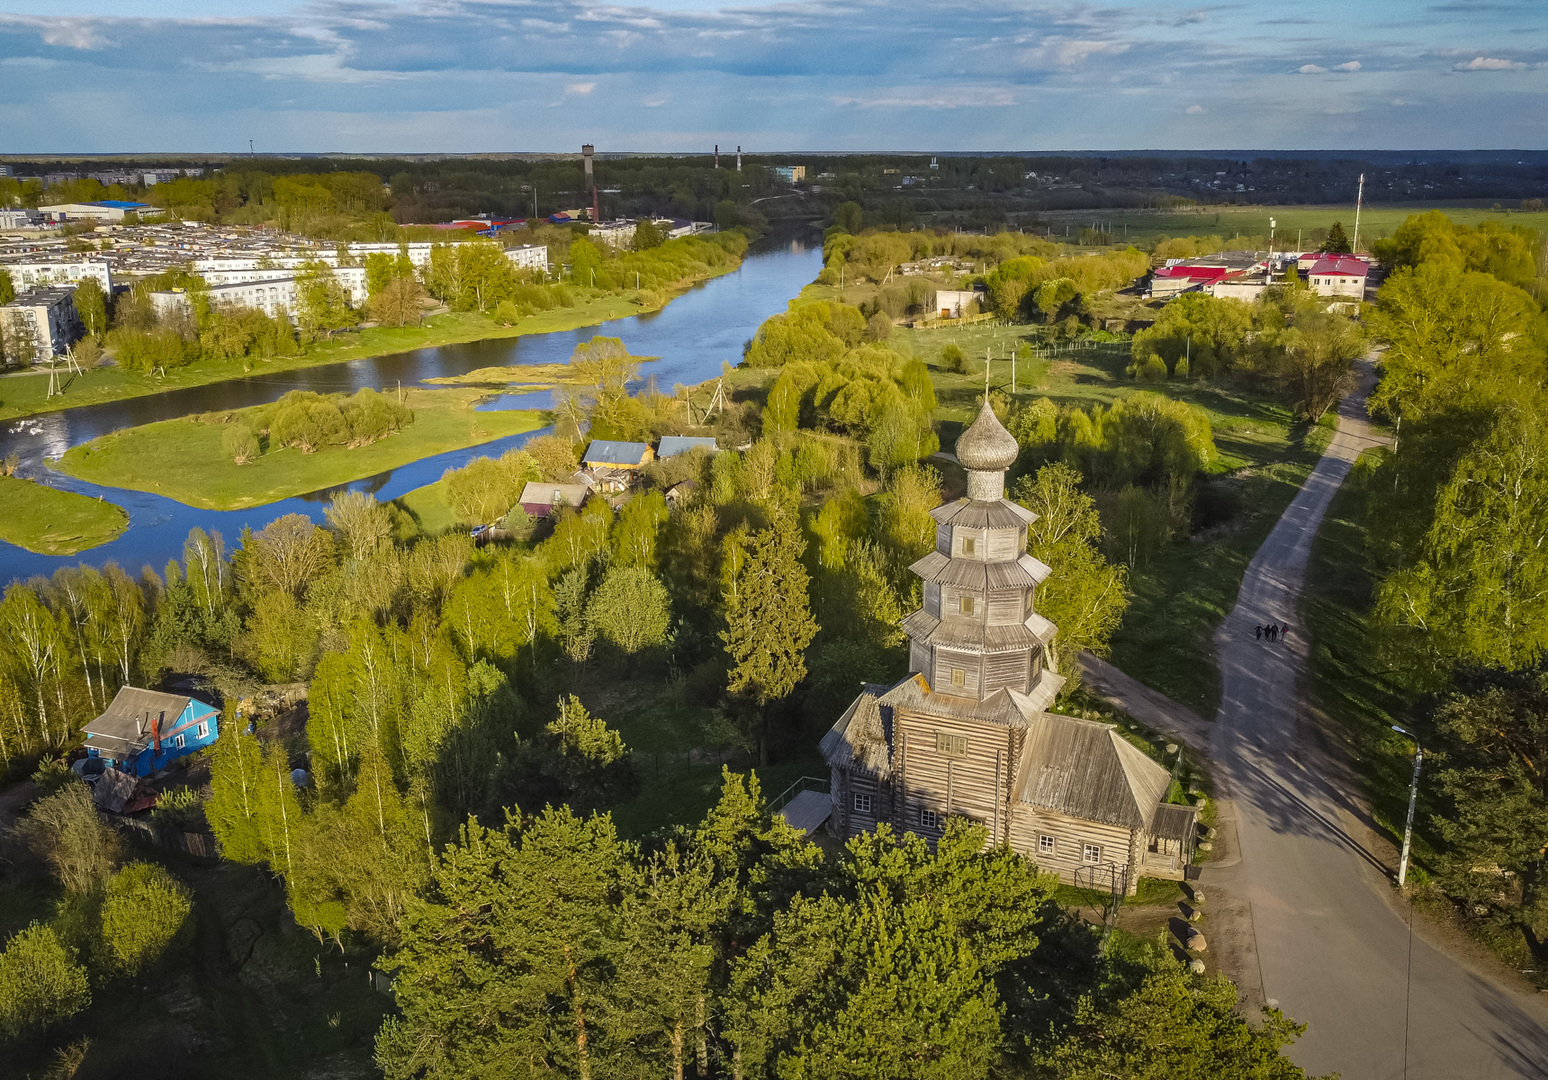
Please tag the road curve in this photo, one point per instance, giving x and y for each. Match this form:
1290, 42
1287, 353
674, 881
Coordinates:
1333, 948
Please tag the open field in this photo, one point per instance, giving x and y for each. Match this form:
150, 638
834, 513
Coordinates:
1144, 227
183, 459
53, 522
25, 393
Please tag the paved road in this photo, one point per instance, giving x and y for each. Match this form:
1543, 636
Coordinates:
1332, 945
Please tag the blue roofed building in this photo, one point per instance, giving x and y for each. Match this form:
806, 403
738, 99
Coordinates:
104, 210
672, 445
608, 454
144, 731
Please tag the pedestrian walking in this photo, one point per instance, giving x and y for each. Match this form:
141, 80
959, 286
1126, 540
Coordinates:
1284, 632
1272, 630
1259, 631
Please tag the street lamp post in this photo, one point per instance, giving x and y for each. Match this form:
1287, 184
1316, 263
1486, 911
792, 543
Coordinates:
1413, 797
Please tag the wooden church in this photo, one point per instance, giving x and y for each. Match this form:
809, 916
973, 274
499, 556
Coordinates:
968, 732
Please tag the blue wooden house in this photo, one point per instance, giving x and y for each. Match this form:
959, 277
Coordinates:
144, 731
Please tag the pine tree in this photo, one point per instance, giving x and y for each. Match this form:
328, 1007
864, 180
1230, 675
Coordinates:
769, 621
1337, 243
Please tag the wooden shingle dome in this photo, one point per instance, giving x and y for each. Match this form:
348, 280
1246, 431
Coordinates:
986, 450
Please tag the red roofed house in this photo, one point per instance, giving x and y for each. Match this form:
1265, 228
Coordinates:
1338, 275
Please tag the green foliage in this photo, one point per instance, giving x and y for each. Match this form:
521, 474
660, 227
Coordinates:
769, 623
322, 308
1507, 252
1085, 597
485, 489
1337, 242
1453, 337
64, 831
1469, 580
1173, 1027
1210, 333
144, 911
91, 306
647, 235
631, 609
1489, 736
309, 422
41, 982
952, 359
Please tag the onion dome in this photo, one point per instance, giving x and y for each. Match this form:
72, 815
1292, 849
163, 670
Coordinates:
986, 446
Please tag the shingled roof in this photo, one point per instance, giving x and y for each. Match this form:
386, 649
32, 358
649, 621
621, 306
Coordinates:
863, 735
131, 717
1088, 770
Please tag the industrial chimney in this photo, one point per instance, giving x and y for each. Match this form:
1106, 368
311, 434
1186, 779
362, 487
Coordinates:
717, 155
587, 153
738, 159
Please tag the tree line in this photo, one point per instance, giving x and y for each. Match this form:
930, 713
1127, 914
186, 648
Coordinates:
1457, 512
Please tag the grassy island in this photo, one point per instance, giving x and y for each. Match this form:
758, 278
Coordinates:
53, 522
188, 460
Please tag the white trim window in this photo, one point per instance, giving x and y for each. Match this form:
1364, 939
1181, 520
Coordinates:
929, 819
204, 729
1091, 853
1047, 845
862, 803
181, 740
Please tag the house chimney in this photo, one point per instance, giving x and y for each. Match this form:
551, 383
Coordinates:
156, 733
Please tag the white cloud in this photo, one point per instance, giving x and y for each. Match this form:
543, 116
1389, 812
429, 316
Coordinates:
1311, 69
580, 88
1353, 65
1195, 110
1489, 63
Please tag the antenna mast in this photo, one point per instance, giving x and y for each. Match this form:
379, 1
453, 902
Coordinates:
1354, 245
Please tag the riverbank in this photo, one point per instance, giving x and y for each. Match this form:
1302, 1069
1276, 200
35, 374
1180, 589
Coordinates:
184, 459
26, 393
48, 521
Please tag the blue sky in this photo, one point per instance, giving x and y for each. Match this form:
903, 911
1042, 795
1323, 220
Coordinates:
485, 75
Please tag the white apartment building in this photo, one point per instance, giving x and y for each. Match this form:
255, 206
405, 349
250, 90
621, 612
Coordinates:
351, 278
271, 295
46, 317
27, 275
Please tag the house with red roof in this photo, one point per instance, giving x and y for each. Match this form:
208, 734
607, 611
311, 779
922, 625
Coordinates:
1338, 275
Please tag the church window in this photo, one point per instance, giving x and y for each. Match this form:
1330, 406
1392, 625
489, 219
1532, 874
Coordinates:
1046, 845
958, 677
951, 745
967, 605
969, 545
1091, 853
862, 804
929, 819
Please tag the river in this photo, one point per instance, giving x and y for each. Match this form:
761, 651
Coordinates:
693, 336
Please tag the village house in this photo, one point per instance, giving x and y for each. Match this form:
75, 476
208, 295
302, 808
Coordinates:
608, 454
1338, 275
144, 731
968, 732
541, 499
672, 445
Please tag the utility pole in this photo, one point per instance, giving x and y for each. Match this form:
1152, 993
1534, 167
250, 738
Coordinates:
1413, 797
1354, 245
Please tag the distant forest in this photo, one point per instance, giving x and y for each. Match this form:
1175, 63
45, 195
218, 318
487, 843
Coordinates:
898, 189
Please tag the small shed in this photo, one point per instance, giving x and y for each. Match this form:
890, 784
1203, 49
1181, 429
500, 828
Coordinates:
607, 453
542, 500
143, 731
672, 445
680, 492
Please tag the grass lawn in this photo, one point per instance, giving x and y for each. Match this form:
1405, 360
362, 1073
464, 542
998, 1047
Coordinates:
53, 522
429, 507
1348, 678
182, 459
1144, 227
25, 393
662, 729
